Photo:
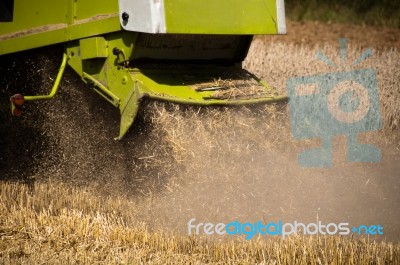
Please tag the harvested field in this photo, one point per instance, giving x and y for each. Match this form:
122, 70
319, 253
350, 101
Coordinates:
87, 199
74, 226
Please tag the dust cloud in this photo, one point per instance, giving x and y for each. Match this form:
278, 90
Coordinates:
214, 164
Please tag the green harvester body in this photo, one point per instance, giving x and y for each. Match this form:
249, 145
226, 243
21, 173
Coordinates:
182, 51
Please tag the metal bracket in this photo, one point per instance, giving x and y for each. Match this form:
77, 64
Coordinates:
18, 100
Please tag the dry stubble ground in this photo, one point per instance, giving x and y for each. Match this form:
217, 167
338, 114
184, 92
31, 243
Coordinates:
96, 200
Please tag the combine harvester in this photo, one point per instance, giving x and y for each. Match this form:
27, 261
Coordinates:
182, 51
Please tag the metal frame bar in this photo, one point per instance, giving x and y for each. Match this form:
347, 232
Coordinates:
56, 85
